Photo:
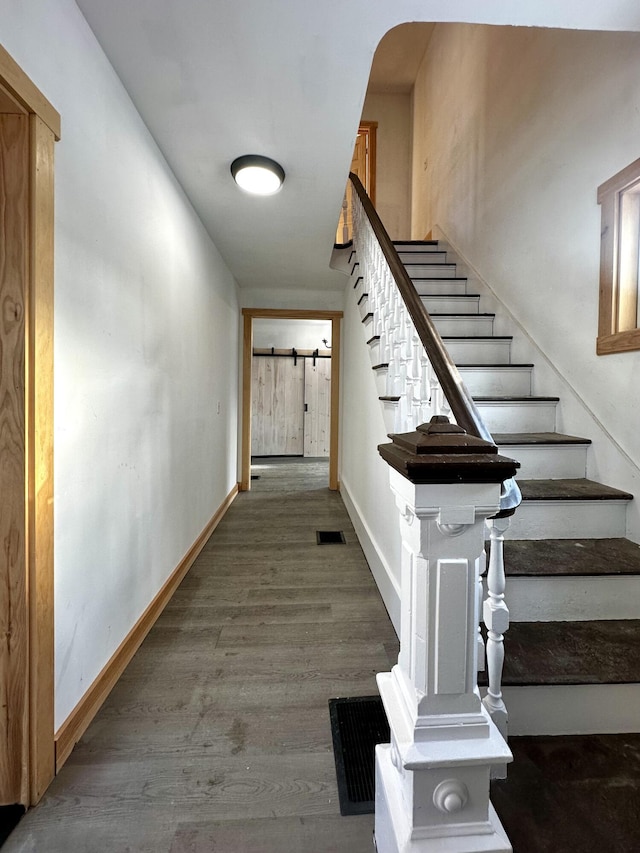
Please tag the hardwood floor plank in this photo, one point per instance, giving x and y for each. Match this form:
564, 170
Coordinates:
312, 834
217, 735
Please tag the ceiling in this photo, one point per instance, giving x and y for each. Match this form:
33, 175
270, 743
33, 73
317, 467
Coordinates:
215, 79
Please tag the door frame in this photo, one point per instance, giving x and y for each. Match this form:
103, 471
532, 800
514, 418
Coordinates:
32, 692
249, 314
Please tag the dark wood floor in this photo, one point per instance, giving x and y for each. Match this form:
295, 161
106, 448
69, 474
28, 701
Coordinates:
217, 737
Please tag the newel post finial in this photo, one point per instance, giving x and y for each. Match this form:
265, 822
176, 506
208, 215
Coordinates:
432, 780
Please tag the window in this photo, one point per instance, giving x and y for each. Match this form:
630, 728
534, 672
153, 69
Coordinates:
619, 321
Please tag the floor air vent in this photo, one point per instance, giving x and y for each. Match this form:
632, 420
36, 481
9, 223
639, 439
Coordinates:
357, 725
330, 537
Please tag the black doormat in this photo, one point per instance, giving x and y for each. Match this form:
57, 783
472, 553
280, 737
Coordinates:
9, 819
357, 726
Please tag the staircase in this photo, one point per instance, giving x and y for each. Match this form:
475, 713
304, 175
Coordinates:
572, 653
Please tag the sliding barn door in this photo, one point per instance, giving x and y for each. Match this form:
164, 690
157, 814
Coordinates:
277, 409
317, 397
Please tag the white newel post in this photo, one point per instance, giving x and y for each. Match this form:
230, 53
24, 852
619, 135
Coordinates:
432, 780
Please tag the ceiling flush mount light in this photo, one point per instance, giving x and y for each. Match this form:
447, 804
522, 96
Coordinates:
257, 175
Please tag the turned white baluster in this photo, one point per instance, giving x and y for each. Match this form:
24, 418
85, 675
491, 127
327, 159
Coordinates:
480, 570
496, 618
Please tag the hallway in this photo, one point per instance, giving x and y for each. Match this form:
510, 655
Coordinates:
217, 737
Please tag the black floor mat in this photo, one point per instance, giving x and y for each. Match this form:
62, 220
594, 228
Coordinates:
357, 725
9, 817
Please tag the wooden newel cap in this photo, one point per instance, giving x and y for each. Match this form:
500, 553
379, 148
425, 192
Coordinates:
442, 452
441, 436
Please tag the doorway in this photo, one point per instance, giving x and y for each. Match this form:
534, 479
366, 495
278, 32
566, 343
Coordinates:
29, 127
274, 422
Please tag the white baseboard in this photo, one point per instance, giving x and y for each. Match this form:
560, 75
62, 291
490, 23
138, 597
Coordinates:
388, 586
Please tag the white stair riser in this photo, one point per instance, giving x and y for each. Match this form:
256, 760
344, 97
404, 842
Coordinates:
381, 381
390, 413
363, 308
572, 709
430, 287
496, 351
548, 461
418, 247
518, 417
500, 381
431, 270
451, 305
569, 520
374, 353
436, 257
573, 599
464, 325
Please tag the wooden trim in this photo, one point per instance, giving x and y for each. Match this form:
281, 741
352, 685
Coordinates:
620, 342
14, 473
370, 128
27, 93
77, 722
609, 339
9, 105
247, 348
334, 434
290, 314
39, 421
20, 95
620, 181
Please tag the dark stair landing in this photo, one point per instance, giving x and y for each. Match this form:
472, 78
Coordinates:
572, 794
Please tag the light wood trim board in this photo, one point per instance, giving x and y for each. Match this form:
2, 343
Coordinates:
40, 461
27, 93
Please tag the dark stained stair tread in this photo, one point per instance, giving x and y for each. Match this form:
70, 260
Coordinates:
416, 243
571, 793
555, 653
579, 489
571, 557
537, 438
486, 366
510, 399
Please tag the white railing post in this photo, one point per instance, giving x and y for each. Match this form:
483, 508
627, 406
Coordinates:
495, 615
432, 780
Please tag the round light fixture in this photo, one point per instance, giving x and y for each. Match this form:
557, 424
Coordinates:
257, 175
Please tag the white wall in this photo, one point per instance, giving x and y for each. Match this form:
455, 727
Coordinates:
364, 476
146, 345
285, 334
392, 111
514, 129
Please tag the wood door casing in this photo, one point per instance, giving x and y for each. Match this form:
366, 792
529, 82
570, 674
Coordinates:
248, 315
14, 617
29, 127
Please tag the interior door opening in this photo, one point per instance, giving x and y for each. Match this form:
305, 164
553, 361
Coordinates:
290, 389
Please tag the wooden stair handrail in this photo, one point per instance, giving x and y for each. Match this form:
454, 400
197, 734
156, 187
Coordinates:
462, 404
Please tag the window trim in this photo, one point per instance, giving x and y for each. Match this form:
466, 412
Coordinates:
610, 340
